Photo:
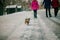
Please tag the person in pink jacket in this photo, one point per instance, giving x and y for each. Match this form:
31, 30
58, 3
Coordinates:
35, 7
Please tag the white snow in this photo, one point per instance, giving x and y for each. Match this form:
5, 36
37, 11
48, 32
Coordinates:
13, 26
11, 6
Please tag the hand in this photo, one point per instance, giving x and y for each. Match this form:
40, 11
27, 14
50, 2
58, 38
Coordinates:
41, 5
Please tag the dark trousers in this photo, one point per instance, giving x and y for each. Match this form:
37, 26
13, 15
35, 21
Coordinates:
55, 11
48, 10
35, 13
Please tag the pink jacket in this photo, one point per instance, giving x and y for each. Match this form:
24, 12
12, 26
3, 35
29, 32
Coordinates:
34, 5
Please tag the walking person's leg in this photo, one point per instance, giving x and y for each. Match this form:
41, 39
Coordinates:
46, 13
49, 13
35, 13
56, 11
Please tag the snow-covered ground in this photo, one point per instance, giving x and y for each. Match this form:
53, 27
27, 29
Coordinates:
12, 26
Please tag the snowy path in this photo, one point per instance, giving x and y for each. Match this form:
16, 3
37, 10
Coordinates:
16, 29
37, 30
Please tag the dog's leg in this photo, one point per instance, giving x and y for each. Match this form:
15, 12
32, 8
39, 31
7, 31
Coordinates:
25, 21
28, 23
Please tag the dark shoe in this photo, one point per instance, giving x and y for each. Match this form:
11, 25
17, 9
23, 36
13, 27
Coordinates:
35, 17
50, 16
46, 16
55, 15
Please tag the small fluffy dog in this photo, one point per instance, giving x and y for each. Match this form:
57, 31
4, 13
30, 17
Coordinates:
27, 20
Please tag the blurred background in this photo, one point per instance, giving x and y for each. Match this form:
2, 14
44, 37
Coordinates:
6, 5
19, 5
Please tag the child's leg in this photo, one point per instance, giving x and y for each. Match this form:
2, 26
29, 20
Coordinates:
35, 13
